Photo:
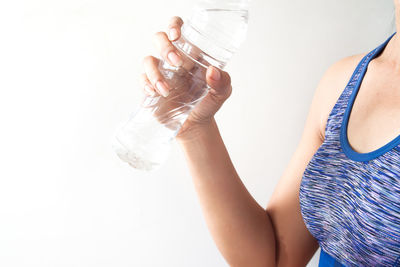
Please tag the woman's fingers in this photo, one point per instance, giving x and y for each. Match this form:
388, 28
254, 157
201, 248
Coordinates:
146, 85
174, 28
219, 81
164, 44
167, 50
154, 76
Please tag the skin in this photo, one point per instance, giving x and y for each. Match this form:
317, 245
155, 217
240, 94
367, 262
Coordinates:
246, 233
375, 117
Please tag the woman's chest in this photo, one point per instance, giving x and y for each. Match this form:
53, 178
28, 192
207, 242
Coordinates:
353, 208
375, 116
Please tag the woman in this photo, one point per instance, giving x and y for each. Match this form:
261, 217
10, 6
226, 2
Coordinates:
341, 189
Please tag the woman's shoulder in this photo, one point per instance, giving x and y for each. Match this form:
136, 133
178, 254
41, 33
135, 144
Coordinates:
337, 76
344, 66
332, 85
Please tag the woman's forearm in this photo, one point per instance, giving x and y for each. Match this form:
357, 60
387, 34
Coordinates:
240, 227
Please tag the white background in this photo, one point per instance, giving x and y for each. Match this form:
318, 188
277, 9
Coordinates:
69, 75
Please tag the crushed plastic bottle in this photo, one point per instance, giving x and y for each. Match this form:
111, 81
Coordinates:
210, 37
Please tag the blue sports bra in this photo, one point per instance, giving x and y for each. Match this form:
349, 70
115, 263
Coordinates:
350, 201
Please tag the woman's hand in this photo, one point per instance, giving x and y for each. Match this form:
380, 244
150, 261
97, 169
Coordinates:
153, 82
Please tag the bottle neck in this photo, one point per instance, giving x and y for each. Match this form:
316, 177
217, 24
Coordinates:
195, 45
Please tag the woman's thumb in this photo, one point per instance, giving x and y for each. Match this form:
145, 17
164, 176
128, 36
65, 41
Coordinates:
218, 80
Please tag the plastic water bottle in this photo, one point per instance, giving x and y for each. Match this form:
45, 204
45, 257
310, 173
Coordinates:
211, 36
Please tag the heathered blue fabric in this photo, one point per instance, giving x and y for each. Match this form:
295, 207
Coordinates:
350, 202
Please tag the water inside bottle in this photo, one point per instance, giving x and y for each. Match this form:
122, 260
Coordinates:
144, 141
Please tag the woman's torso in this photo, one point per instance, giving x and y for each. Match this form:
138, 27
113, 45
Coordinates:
349, 198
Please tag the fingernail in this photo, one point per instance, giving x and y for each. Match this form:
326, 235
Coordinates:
175, 59
173, 34
162, 88
215, 75
149, 90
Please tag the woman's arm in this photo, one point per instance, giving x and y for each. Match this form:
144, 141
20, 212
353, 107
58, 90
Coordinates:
240, 227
